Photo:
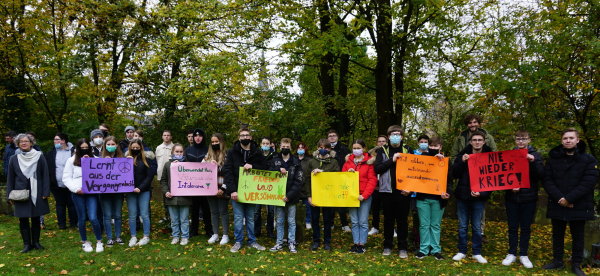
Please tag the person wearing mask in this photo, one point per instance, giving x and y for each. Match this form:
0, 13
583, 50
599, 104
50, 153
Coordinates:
287, 164
303, 154
28, 172
218, 204
396, 203
97, 141
85, 204
247, 154
469, 204
123, 144
570, 176
268, 153
341, 151
324, 161
376, 203
361, 162
196, 153
179, 206
112, 204
163, 155
56, 160
138, 202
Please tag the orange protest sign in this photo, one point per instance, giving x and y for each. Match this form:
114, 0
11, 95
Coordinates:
421, 174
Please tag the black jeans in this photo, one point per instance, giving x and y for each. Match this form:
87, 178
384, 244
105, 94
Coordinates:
200, 202
558, 239
64, 203
327, 221
376, 209
270, 221
395, 216
343, 213
520, 216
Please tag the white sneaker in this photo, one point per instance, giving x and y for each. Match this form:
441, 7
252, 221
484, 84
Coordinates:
99, 247
143, 241
87, 246
308, 226
395, 234
526, 262
510, 258
213, 239
184, 241
373, 231
403, 254
459, 256
175, 240
346, 229
480, 259
224, 240
132, 241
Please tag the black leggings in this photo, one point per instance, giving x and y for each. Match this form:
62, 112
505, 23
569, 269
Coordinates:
30, 233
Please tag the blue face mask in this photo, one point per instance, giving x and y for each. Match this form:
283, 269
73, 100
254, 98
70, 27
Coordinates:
323, 152
357, 152
395, 139
423, 146
265, 148
111, 148
177, 157
300, 152
57, 146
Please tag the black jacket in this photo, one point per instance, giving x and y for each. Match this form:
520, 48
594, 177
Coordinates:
443, 202
573, 177
341, 151
536, 171
142, 175
383, 166
460, 171
124, 144
304, 163
238, 157
295, 176
197, 152
51, 161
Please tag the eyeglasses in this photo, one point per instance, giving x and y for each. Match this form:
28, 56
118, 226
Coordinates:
245, 135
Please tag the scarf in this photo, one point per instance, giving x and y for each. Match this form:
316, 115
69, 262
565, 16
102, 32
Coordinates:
28, 165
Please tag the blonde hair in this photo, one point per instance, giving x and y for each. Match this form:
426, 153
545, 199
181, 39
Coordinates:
117, 153
142, 153
219, 156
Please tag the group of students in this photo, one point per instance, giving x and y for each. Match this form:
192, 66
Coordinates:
569, 178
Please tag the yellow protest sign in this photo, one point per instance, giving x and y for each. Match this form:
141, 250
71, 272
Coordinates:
335, 189
421, 174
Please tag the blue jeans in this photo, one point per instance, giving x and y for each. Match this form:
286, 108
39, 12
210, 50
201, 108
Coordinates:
243, 211
139, 205
291, 218
111, 208
180, 224
469, 211
359, 216
308, 211
87, 207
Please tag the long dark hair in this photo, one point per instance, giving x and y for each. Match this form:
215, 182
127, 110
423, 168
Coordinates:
78, 153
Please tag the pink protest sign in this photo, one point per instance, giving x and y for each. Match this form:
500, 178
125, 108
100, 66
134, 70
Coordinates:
193, 179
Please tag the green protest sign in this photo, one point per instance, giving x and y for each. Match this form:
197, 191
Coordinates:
261, 187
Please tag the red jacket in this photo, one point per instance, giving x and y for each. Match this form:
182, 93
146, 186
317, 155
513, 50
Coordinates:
367, 180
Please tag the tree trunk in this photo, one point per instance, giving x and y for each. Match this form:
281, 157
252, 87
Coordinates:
383, 70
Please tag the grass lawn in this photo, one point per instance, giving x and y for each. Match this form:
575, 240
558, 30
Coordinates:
63, 255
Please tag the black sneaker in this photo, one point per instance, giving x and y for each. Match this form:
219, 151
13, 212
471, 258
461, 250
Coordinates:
110, 243
120, 241
420, 255
315, 246
438, 256
360, 249
576, 269
354, 248
554, 265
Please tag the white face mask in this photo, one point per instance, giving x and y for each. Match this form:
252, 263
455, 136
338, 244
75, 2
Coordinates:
98, 141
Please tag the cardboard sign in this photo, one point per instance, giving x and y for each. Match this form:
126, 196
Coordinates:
107, 175
422, 174
261, 187
335, 189
501, 170
193, 179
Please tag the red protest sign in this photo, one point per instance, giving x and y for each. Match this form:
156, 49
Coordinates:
500, 170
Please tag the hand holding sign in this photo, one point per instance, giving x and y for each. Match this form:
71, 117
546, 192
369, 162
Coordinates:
193, 179
422, 174
261, 187
107, 175
502, 170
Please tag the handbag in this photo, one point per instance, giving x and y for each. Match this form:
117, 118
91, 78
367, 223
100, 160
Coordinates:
19, 195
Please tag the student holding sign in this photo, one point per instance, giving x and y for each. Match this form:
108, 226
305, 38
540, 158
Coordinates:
570, 176
85, 204
286, 163
521, 204
362, 163
178, 206
245, 153
219, 212
196, 153
268, 153
112, 204
469, 204
323, 161
138, 202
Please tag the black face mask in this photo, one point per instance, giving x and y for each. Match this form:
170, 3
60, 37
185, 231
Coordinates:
135, 152
105, 133
434, 151
245, 142
285, 151
216, 147
87, 152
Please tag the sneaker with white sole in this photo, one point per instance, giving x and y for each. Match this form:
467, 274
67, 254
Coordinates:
184, 241
175, 240
387, 252
257, 246
213, 239
459, 256
346, 229
87, 247
373, 231
276, 248
403, 254
224, 240
236, 247
308, 226
525, 261
99, 247
143, 241
395, 234
132, 241
292, 247
480, 259
510, 258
